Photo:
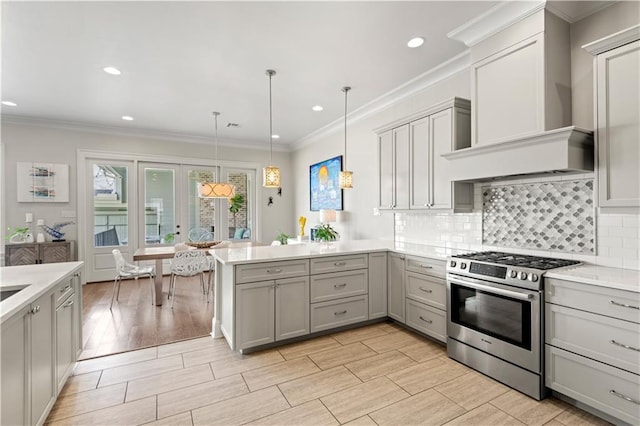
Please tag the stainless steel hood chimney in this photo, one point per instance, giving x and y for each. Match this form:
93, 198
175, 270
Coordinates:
565, 150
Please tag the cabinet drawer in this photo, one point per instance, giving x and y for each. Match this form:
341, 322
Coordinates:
600, 300
340, 284
426, 319
425, 266
271, 270
62, 291
427, 289
598, 385
605, 339
339, 263
326, 315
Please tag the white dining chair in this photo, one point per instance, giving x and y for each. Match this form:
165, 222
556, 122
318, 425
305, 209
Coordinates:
126, 270
187, 263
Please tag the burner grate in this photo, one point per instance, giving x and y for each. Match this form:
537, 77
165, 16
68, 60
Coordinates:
522, 260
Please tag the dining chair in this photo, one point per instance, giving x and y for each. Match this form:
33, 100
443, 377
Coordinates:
128, 270
187, 263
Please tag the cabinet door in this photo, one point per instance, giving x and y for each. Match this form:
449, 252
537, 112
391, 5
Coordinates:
401, 167
255, 314
395, 283
420, 165
441, 136
292, 307
385, 168
618, 79
77, 319
377, 285
14, 370
21, 254
65, 353
55, 252
42, 367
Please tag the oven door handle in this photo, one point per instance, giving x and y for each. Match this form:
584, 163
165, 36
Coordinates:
489, 289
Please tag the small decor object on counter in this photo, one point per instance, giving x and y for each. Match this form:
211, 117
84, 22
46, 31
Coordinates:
283, 238
55, 230
18, 235
202, 244
302, 221
325, 233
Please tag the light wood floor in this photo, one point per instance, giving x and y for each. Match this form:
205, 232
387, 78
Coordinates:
379, 374
135, 323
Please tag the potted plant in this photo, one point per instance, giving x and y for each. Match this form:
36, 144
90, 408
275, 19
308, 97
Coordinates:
326, 233
282, 237
235, 204
17, 235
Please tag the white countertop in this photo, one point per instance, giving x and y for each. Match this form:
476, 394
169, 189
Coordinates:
242, 255
621, 279
40, 279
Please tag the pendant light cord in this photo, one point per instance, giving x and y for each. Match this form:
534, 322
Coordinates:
270, 73
215, 116
345, 90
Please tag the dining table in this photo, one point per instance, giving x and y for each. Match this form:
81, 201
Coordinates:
168, 252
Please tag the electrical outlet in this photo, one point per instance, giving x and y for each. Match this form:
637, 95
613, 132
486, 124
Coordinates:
376, 211
68, 213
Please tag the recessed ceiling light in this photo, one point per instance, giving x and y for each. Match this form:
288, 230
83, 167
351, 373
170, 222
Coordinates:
112, 70
275, 136
9, 103
127, 118
415, 42
317, 108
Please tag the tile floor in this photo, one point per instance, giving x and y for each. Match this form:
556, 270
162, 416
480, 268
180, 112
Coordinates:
379, 374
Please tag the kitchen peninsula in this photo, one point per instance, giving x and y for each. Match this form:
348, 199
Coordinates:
321, 286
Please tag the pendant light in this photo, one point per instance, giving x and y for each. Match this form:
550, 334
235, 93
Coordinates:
216, 189
346, 177
270, 174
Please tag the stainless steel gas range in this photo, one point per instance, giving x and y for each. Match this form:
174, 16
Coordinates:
495, 317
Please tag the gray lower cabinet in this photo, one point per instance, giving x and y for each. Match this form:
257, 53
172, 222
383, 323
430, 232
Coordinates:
377, 285
426, 296
268, 311
28, 391
592, 346
395, 282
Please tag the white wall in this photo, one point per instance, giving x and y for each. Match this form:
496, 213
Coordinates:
357, 219
42, 144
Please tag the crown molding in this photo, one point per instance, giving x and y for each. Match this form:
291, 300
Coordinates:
553, 8
614, 40
441, 72
139, 133
496, 19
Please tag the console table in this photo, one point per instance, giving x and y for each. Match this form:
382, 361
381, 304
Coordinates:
36, 253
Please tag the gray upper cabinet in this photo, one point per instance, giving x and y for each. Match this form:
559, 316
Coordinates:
413, 173
617, 69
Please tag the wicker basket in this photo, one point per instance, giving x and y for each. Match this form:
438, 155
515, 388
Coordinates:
202, 244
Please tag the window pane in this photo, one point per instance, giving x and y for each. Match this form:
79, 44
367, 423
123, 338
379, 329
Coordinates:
110, 205
201, 211
159, 198
240, 226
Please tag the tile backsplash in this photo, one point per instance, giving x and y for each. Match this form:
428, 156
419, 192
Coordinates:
616, 239
557, 216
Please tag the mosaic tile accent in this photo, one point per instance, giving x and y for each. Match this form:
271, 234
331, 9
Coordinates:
557, 216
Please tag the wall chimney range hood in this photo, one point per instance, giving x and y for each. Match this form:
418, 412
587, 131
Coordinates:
565, 150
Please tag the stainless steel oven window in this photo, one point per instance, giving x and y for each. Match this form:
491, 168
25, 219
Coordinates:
495, 315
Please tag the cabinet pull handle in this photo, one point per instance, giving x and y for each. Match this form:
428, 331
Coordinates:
62, 290
69, 303
339, 263
426, 290
274, 271
426, 320
340, 312
422, 265
613, 302
339, 285
623, 396
622, 345
35, 310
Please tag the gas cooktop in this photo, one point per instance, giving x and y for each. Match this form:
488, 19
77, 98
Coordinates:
522, 260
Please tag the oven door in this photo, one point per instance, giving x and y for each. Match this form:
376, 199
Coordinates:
500, 320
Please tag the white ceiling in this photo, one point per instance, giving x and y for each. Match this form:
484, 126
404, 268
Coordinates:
181, 61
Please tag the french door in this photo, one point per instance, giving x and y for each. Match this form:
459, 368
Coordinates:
133, 204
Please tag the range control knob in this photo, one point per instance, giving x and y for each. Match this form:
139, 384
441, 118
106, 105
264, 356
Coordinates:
452, 263
533, 277
513, 274
523, 275
463, 265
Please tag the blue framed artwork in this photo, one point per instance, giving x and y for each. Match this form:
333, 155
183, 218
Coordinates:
324, 184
